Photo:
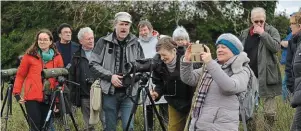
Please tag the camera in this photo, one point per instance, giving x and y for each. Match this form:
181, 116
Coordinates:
54, 72
8, 72
143, 65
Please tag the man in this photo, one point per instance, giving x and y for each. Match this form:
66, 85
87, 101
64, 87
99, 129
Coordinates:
108, 58
262, 42
148, 42
79, 72
65, 46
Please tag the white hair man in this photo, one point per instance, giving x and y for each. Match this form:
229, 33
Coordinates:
107, 62
79, 72
262, 42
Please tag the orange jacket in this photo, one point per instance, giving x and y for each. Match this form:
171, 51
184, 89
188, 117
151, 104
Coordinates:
30, 71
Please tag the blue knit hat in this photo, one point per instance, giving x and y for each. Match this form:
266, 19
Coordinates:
231, 41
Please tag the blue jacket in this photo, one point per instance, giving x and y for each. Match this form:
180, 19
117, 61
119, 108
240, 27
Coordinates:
284, 50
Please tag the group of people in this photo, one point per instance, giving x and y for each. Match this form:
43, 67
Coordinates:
215, 82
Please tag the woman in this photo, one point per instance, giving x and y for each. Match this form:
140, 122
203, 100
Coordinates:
295, 24
216, 106
42, 54
166, 78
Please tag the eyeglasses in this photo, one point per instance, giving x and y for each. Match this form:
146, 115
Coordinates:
45, 40
292, 23
261, 21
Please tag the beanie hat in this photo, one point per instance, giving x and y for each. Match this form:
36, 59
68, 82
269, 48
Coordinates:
231, 41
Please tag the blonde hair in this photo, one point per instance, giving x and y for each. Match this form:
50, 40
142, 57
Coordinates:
166, 43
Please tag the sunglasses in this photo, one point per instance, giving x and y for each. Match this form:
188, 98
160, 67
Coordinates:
261, 21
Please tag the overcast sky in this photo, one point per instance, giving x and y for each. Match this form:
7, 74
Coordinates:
289, 5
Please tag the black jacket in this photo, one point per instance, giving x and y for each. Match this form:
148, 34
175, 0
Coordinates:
296, 65
177, 94
291, 49
79, 72
74, 47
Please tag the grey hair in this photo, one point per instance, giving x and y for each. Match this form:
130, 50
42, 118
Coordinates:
82, 31
257, 10
180, 31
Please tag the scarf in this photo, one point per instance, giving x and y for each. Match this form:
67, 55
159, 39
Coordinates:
46, 56
202, 93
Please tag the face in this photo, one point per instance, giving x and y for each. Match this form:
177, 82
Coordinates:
87, 41
294, 26
65, 34
144, 32
122, 29
223, 53
258, 19
181, 41
44, 41
166, 55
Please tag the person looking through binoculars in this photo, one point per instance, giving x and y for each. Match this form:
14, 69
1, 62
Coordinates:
42, 54
166, 77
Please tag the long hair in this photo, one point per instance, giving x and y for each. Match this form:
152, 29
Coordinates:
33, 49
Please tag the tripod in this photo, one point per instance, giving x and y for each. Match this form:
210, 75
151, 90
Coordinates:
146, 92
64, 106
8, 100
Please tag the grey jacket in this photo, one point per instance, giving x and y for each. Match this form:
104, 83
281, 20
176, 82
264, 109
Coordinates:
269, 75
102, 63
221, 107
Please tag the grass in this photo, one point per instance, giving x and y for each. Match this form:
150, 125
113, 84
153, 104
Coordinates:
17, 122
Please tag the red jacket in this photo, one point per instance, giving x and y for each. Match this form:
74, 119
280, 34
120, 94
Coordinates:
30, 71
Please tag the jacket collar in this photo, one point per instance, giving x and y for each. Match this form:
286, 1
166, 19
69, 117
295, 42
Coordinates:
112, 38
237, 62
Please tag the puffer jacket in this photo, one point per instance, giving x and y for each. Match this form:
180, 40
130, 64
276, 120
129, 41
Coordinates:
296, 101
30, 71
291, 50
220, 111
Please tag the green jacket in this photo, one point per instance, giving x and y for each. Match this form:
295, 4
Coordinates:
269, 75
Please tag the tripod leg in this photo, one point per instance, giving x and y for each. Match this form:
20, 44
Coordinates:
8, 107
4, 102
144, 110
63, 106
156, 111
70, 113
2, 88
54, 95
133, 109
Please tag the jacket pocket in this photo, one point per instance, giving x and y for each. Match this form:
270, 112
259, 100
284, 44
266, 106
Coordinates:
227, 116
272, 74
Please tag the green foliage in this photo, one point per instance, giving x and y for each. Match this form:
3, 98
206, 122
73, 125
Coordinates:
204, 20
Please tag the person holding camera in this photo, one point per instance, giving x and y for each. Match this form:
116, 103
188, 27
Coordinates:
41, 55
166, 77
80, 72
216, 106
107, 62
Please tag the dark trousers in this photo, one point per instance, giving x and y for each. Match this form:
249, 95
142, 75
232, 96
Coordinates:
163, 111
296, 126
37, 112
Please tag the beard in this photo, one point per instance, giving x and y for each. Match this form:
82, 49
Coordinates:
147, 38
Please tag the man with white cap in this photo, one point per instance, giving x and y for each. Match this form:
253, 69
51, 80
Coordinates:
107, 62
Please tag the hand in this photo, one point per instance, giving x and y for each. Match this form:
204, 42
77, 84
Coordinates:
206, 56
55, 109
154, 94
187, 56
22, 101
116, 80
258, 29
